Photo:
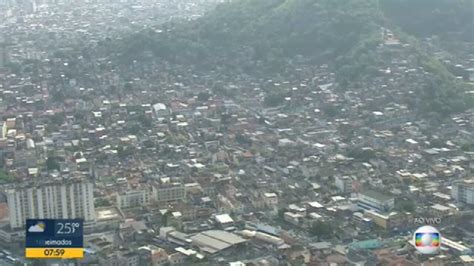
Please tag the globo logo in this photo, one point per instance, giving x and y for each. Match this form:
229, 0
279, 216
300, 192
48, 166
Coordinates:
427, 240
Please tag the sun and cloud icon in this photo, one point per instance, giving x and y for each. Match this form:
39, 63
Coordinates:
39, 227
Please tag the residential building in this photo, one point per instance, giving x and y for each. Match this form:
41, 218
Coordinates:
224, 220
344, 184
463, 191
373, 200
3, 129
159, 257
390, 220
160, 110
270, 199
130, 259
59, 200
168, 192
133, 198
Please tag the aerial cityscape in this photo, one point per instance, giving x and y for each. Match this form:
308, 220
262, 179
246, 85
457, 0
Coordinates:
238, 132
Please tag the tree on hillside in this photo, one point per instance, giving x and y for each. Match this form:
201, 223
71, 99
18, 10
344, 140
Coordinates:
321, 229
5, 177
52, 163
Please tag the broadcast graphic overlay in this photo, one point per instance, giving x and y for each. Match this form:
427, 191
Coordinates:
427, 240
50, 238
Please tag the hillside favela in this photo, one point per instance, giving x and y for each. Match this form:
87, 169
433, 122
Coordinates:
236, 132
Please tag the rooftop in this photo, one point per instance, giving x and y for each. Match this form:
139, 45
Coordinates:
224, 219
213, 241
376, 195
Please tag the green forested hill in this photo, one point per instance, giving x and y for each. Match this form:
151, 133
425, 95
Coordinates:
244, 34
321, 29
265, 29
424, 18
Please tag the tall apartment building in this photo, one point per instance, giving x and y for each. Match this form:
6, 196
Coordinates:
61, 200
166, 191
3, 128
344, 184
463, 191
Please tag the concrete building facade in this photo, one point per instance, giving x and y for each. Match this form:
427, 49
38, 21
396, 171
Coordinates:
71, 199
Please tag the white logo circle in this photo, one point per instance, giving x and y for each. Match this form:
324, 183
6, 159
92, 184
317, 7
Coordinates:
427, 239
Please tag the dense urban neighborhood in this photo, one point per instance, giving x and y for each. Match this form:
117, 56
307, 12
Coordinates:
173, 164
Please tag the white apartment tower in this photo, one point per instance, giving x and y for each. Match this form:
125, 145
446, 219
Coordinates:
344, 184
71, 199
463, 191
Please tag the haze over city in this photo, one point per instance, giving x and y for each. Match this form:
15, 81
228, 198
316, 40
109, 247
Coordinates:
236, 132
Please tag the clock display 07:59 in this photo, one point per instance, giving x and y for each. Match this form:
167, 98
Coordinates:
54, 252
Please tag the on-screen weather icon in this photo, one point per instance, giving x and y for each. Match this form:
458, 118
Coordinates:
39, 227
